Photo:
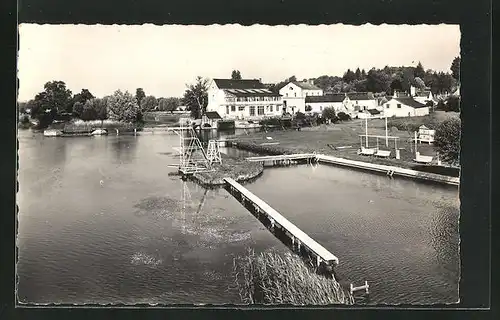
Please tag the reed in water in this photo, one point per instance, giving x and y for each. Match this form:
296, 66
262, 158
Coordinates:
274, 278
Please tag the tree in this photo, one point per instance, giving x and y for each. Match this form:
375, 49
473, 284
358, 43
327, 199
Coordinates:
139, 95
378, 81
122, 106
396, 85
83, 96
455, 68
349, 76
453, 104
55, 97
236, 75
419, 71
101, 109
358, 74
329, 113
89, 113
148, 103
168, 104
419, 83
196, 97
308, 108
447, 140
78, 109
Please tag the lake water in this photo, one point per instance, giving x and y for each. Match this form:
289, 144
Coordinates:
102, 221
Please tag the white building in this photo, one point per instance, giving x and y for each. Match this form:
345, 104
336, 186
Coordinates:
295, 93
422, 96
404, 107
337, 101
361, 101
243, 99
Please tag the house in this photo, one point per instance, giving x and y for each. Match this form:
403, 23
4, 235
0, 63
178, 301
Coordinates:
360, 101
294, 94
247, 99
316, 104
211, 118
404, 107
423, 96
425, 134
369, 113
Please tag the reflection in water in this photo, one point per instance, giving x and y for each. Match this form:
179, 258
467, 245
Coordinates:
143, 235
124, 148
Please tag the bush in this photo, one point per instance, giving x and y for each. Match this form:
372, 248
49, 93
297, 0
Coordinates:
329, 113
300, 116
271, 278
274, 121
344, 116
447, 140
308, 108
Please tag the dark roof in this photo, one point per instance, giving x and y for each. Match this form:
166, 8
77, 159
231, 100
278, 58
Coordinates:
336, 97
360, 96
422, 93
409, 101
212, 115
306, 85
252, 93
239, 84
373, 111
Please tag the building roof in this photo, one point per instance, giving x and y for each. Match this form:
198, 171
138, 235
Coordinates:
422, 93
360, 96
336, 97
239, 84
251, 93
373, 111
409, 101
306, 85
212, 115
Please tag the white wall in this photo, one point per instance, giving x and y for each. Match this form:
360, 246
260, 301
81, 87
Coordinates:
318, 107
404, 110
364, 104
294, 96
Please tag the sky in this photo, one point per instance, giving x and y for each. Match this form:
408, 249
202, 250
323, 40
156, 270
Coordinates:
163, 59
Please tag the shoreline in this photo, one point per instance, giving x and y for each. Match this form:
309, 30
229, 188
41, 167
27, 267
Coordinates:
386, 167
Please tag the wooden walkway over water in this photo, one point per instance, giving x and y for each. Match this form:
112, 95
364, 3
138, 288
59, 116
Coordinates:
296, 235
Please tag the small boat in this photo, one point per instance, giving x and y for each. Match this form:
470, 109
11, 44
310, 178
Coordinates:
52, 133
99, 132
246, 124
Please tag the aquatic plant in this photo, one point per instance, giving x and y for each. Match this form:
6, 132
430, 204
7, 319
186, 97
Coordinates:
273, 278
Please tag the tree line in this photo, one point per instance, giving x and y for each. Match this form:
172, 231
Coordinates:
58, 101
386, 80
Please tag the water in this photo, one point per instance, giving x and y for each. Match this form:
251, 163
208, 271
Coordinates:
102, 221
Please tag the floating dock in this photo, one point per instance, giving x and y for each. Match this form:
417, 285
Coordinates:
277, 221
389, 170
284, 159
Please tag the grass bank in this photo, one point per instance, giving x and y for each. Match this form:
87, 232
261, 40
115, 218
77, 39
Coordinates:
273, 278
343, 140
237, 169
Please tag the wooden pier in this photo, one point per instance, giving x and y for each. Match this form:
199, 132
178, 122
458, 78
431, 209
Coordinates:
277, 221
284, 159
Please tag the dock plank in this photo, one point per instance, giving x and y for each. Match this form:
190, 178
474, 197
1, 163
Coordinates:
283, 222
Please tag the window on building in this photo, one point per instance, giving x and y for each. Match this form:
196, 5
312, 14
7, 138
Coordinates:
295, 93
260, 110
320, 108
241, 108
399, 105
252, 110
233, 108
227, 109
387, 106
271, 108
286, 94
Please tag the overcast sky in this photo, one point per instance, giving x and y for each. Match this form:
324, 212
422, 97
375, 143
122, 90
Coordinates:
162, 59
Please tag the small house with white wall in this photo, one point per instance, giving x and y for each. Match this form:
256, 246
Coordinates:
362, 101
425, 134
422, 96
294, 95
247, 99
405, 107
337, 101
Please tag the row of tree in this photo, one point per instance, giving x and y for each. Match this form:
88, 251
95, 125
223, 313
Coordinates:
56, 100
386, 80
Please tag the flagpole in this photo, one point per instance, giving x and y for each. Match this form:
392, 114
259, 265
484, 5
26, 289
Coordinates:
386, 137
366, 132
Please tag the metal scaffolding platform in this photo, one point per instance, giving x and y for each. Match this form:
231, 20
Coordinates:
192, 156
